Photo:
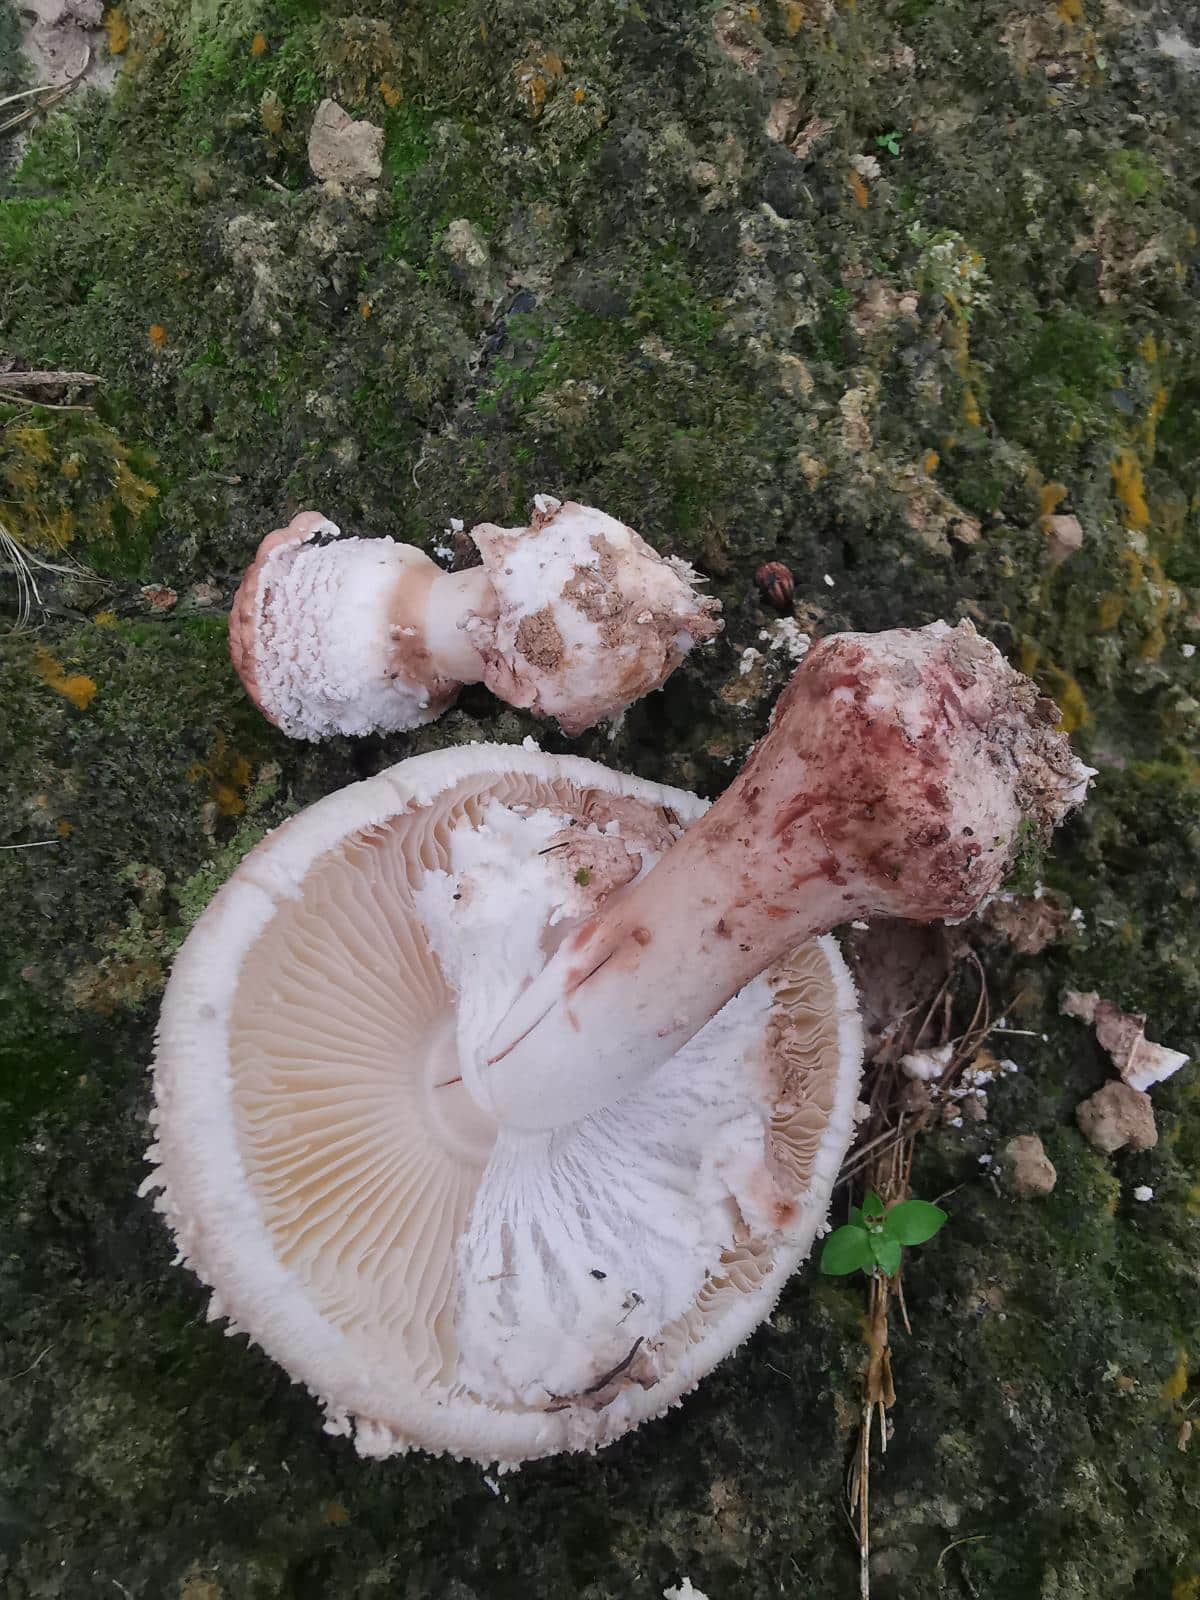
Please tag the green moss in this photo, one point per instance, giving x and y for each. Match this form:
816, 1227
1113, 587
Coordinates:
1059, 388
1136, 175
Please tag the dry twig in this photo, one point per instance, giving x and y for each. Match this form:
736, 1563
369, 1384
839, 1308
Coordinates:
53, 92
46, 380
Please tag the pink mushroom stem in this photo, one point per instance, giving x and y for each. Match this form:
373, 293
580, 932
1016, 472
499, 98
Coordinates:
894, 780
429, 611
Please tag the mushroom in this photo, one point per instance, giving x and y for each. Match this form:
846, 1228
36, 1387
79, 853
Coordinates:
497, 1096
574, 616
893, 780
436, 1281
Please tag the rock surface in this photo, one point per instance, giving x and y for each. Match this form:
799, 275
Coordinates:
1116, 1116
341, 150
1030, 1170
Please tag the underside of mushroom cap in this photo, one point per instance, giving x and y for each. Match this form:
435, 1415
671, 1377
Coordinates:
590, 617
324, 1172
311, 634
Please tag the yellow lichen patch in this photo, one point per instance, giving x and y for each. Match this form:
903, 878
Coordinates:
76, 687
1176, 1385
1186, 1588
1068, 696
117, 29
1073, 707
69, 477
1028, 655
1193, 1200
227, 776
1150, 426
105, 619
132, 492
1109, 612
366, 310
930, 462
858, 189
1148, 349
63, 829
793, 18
34, 443
21, 476
258, 45
1129, 488
56, 528
270, 113
579, 96
157, 336
1153, 645
334, 1514
390, 93
959, 339
1070, 10
1050, 497
1135, 572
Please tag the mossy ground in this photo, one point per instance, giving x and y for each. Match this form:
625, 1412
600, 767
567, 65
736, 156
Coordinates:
670, 316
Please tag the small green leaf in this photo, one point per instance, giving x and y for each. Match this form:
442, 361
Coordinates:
886, 1251
872, 1205
846, 1250
856, 1217
914, 1221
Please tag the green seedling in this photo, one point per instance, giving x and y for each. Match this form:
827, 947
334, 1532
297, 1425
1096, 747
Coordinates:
872, 1239
889, 141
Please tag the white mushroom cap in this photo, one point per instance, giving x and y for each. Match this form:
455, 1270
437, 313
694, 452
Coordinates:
590, 617
435, 1284
329, 637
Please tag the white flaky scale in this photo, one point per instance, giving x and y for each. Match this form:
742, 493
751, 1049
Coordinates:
574, 617
498, 1295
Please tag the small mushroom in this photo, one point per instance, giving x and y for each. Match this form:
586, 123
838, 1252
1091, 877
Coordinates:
895, 775
574, 616
436, 1281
